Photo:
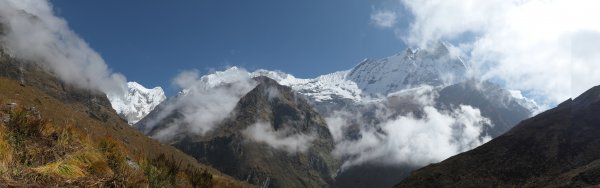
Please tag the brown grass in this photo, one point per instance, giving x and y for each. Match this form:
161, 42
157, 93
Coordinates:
72, 149
6, 152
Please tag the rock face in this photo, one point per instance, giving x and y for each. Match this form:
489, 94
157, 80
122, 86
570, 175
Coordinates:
256, 143
559, 147
137, 102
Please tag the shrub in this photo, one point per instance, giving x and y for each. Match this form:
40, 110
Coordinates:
200, 178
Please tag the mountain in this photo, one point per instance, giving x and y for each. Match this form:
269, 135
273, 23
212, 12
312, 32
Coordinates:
137, 102
56, 134
557, 148
328, 87
434, 66
272, 138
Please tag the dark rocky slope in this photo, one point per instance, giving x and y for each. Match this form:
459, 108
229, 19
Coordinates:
232, 152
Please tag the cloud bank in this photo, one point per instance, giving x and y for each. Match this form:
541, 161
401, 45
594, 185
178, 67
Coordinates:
422, 136
33, 32
282, 140
537, 46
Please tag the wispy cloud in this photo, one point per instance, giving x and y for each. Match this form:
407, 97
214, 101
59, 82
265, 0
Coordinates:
34, 33
383, 18
281, 139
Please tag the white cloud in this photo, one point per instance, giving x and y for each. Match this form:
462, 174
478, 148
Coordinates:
416, 138
34, 33
384, 18
538, 46
281, 139
411, 140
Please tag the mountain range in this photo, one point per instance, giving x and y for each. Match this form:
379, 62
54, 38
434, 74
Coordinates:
373, 85
369, 80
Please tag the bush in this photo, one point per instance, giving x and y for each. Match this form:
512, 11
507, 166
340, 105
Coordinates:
200, 178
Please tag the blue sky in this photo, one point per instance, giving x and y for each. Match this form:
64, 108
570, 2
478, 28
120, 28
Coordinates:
151, 41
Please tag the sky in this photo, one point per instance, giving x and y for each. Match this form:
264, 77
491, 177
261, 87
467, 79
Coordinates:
152, 41
543, 48
547, 49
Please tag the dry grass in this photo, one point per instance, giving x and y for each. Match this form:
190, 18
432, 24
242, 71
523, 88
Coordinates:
76, 165
77, 159
6, 153
71, 149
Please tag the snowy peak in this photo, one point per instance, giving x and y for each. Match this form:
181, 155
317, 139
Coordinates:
324, 88
137, 102
434, 66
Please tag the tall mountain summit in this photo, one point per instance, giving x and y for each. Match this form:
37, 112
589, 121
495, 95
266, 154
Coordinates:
435, 66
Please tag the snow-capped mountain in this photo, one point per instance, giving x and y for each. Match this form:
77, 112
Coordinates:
321, 89
435, 66
137, 102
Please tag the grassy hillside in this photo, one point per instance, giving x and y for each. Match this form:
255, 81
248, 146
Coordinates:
46, 141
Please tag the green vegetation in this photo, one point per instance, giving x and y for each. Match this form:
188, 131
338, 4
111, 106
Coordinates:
36, 152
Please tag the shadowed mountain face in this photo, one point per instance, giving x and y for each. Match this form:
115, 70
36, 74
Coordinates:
559, 147
239, 148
